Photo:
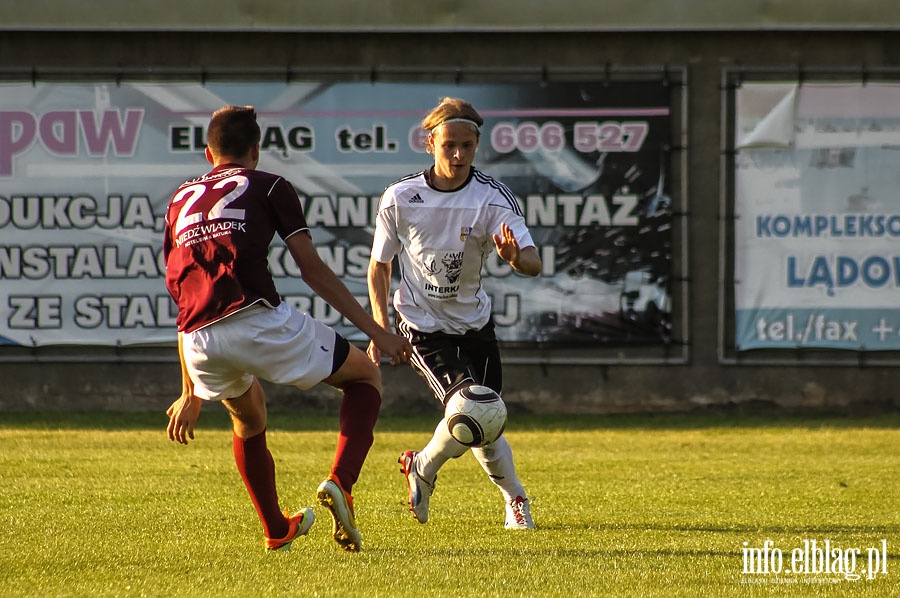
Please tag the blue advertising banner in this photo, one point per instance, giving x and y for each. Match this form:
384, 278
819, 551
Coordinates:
818, 216
86, 171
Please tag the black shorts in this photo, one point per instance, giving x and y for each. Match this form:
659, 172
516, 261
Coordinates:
450, 361
341, 352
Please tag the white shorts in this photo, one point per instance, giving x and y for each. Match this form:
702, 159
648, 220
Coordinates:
280, 345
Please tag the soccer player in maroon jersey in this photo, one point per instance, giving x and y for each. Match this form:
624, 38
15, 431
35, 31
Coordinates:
233, 327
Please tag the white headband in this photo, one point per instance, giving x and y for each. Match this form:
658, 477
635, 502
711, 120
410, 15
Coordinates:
458, 120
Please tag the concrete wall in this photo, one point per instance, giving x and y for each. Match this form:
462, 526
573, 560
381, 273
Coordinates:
703, 380
444, 15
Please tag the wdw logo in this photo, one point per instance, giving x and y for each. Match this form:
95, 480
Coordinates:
64, 132
814, 558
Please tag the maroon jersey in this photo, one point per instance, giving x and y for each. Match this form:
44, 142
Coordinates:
218, 231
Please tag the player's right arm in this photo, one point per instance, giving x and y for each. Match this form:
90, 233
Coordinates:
379, 282
185, 411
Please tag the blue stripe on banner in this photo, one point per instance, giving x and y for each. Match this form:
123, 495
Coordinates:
803, 328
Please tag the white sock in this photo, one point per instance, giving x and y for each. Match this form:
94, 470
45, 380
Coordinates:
441, 448
497, 461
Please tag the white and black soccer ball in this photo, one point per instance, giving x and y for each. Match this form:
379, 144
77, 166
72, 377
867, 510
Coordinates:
475, 415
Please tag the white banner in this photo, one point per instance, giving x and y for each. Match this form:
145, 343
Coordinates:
817, 211
86, 171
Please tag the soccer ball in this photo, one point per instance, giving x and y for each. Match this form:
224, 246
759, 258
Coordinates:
476, 415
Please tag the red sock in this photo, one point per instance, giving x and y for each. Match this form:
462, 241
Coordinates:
359, 412
254, 462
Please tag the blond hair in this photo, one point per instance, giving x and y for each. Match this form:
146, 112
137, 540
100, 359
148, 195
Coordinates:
453, 109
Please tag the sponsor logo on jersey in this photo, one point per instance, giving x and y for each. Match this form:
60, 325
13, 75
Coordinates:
441, 292
416, 199
431, 268
453, 266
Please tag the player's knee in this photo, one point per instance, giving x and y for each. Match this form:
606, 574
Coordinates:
357, 369
371, 375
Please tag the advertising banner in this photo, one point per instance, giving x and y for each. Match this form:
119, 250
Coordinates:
86, 171
818, 216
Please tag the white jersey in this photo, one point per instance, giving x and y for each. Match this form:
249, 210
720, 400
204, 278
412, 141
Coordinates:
443, 239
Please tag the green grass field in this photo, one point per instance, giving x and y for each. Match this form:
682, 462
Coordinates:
105, 505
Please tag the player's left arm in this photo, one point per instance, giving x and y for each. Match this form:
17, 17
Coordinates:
326, 284
524, 260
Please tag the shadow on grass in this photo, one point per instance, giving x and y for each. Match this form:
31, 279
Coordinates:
571, 553
762, 415
590, 553
823, 531
215, 417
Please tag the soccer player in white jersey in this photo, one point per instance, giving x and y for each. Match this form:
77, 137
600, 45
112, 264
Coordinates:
233, 327
442, 224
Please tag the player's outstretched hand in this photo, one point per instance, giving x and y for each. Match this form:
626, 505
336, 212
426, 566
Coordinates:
506, 244
183, 415
525, 260
394, 346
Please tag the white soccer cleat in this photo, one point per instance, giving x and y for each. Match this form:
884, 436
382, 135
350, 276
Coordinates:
518, 514
332, 496
419, 490
298, 525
